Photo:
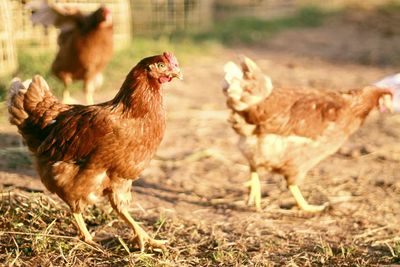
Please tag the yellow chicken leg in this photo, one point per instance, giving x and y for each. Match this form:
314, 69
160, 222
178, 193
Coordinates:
255, 190
67, 98
82, 228
141, 234
294, 189
89, 88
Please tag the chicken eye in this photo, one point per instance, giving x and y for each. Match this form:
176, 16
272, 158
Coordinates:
161, 65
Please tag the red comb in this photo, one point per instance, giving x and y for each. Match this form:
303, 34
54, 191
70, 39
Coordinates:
106, 10
171, 59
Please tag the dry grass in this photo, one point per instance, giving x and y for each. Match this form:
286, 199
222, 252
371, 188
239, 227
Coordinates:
36, 231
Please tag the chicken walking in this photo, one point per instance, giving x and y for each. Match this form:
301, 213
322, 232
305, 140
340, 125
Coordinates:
289, 131
85, 45
85, 152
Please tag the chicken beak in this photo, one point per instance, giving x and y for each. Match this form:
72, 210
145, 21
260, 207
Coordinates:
177, 73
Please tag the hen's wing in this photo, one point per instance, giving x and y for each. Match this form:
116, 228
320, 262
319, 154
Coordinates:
292, 112
64, 18
275, 110
77, 133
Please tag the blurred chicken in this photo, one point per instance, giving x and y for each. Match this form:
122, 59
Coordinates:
85, 44
289, 131
85, 152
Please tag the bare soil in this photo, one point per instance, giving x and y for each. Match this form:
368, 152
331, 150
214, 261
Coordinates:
195, 184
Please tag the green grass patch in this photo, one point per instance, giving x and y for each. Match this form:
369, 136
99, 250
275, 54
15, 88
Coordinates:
248, 30
390, 7
30, 63
125, 59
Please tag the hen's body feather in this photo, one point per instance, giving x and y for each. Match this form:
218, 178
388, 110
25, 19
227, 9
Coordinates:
85, 152
82, 55
74, 142
295, 130
288, 130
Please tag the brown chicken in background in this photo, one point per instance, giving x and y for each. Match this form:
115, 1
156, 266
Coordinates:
85, 152
289, 131
85, 44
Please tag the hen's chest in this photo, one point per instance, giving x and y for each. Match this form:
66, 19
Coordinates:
279, 152
137, 143
144, 136
272, 149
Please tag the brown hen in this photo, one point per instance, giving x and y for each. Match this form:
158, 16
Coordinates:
289, 131
85, 44
85, 152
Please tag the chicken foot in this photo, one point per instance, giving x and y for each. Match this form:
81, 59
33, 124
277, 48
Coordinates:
87, 237
142, 237
255, 190
67, 98
303, 204
119, 198
89, 88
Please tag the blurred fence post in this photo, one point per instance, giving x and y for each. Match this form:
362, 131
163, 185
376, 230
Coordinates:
8, 59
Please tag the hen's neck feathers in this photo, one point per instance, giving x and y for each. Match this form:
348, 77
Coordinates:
139, 94
366, 99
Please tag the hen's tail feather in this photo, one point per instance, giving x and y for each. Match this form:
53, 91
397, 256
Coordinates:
43, 13
245, 84
17, 113
53, 15
248, 70
249, 67
32, 107
37, 91
252, 71
232, 71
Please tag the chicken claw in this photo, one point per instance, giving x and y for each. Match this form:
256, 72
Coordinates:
141, 235
255, 191
143, 238
87, 237
313, 208
303, 204
68, 99
84, 233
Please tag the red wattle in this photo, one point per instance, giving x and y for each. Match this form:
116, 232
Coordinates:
164, 79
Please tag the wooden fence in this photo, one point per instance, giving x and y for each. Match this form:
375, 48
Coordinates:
131, 17
166, 16
265, 9
27, 34
8, 61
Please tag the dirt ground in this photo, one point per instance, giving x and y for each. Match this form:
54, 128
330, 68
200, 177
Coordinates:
196, 181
